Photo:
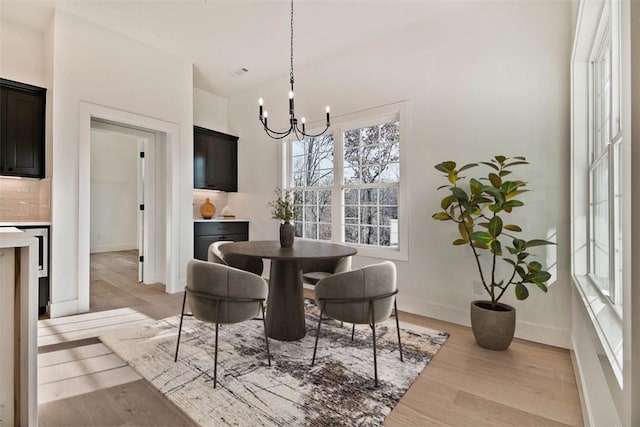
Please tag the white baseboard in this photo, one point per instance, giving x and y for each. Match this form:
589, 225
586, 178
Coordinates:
113, 248
525, 330
64, 308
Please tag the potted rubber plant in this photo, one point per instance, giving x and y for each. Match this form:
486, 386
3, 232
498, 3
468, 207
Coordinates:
284, 209
480, 209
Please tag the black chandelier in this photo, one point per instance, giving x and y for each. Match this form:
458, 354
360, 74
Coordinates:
293, 121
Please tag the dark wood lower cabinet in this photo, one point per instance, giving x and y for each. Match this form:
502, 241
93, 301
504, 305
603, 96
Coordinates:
206, 233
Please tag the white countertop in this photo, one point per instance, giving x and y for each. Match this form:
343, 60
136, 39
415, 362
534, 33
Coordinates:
220, 219
23, 223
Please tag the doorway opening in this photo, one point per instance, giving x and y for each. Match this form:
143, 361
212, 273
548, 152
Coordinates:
126, 162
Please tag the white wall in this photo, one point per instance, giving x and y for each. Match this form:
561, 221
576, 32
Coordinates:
487, 78
114, 192
95, 65
22, 54
210, 111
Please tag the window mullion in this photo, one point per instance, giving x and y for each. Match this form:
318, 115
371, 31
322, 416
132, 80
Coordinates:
337, 211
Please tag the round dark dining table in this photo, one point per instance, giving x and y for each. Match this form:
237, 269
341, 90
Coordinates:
285, 305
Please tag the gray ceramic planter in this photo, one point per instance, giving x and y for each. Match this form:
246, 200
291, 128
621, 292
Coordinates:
493, 329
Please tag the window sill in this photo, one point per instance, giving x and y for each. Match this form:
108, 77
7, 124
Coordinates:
391, 253
606, 320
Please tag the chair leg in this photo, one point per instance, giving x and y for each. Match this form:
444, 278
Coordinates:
315, 347
373, 327
184, 300
353, 331
215, 357
395, 308
266, 338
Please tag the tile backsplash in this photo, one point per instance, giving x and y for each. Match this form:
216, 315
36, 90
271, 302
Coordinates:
218, 198
23, 199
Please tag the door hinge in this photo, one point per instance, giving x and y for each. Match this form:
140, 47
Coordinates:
141, 259
141, 207
142, 154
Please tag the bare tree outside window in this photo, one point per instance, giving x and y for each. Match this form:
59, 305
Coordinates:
371, 178
312, 178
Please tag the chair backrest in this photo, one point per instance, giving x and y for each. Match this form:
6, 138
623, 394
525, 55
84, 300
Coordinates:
252, 264
207, 281
365, 282
335, 265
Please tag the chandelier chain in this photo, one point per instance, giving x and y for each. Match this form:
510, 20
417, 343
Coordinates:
291, 73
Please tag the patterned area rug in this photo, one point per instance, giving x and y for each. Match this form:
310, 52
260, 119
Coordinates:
337, 391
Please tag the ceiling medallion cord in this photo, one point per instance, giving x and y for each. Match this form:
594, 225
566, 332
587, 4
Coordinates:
293, 121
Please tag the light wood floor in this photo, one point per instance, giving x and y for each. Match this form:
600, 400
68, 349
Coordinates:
84, 384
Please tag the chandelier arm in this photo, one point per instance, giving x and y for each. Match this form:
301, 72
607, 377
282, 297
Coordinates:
273, 135
287, 132
312, 135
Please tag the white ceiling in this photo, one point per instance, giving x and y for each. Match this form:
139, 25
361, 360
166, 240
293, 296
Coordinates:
221, 36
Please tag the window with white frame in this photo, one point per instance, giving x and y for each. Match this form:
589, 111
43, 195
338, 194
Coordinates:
347, 183
604, 263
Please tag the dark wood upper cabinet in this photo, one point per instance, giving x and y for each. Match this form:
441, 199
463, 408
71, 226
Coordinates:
215, 160
22, 129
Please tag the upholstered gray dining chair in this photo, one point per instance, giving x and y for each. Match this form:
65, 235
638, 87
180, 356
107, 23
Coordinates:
252, 264
365, 295
314, 270
220, 294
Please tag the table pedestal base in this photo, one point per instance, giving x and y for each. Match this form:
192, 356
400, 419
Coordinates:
285, 306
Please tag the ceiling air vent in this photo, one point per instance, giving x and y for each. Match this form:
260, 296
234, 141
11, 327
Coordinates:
240, 72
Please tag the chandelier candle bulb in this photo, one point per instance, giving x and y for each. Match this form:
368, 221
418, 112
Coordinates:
266, 114
303, 122
327, 110
260, 102
290, 102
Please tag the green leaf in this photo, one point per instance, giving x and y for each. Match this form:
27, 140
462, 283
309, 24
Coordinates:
495, 180
495, 226
521, 291
512, 227
495, 208
441, 216
496, 247
515, 163
520, 158
483, 224
513, 204
467, 166
500, 159
538, 242
460, 194
504, 173
443, 186
453, 176
534, 266
492, 165
538, 276
446, 202
509, 261
446, 167
513, 194
494, 192
522, 256
480, 245
542, 286
519, 244
481, 237
512, 251
458, 242
521, 272
462, 229
475, 185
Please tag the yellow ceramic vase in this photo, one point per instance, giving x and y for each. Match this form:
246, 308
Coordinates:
208, 209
